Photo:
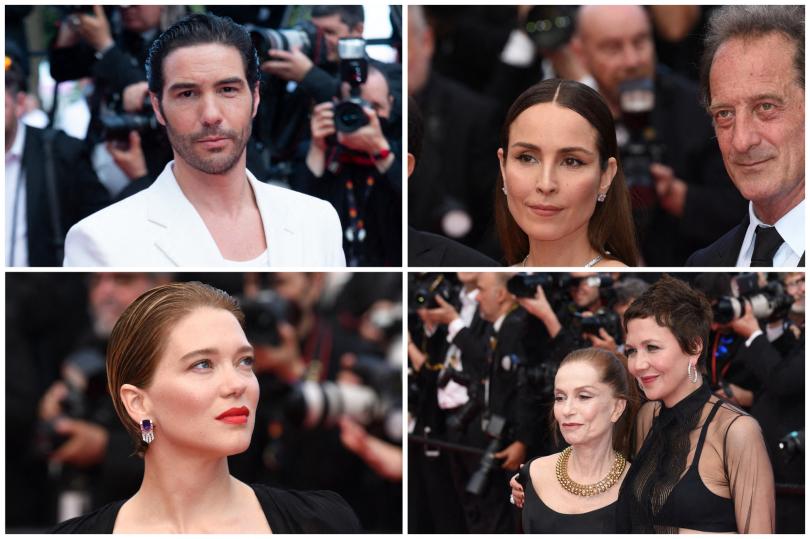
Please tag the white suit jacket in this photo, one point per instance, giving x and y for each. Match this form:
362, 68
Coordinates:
160, 227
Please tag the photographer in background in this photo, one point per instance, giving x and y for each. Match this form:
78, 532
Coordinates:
774, 353
91, 43
303, 352
300, 77
40, 205
359, 172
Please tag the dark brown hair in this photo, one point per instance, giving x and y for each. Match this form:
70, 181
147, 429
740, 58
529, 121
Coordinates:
613, 371
675, 305
748, 22
611, 226
139, 338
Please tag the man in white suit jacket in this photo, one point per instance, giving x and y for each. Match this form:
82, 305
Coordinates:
206, 208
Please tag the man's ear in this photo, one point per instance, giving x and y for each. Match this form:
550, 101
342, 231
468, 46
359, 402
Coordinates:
411, 163
153, 98
256, 99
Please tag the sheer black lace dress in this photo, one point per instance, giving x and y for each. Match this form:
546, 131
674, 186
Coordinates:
701, 466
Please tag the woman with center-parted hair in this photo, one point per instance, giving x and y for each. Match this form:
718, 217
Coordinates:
180, 372
562, 198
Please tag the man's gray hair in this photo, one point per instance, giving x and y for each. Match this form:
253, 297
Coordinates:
751, 22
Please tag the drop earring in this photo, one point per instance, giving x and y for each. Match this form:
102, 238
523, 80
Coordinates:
147, 431
601, 197
691, 372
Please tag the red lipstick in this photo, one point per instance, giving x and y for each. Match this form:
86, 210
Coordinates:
235, 416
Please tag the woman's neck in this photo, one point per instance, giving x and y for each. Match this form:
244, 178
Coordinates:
591, 462
574, 250
181, 492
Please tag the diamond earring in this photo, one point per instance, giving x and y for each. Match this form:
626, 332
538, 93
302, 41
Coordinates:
601, 197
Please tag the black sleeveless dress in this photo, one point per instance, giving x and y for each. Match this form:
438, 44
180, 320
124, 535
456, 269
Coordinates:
539, 518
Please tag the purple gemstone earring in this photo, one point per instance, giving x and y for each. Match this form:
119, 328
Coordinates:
147, 434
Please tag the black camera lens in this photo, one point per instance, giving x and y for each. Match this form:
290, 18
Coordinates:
349, 116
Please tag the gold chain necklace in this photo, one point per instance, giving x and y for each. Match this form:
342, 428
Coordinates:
588, 490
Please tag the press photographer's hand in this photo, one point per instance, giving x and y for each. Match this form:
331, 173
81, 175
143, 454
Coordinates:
95, 29
129, 156
322, 124
289, 65
443, 314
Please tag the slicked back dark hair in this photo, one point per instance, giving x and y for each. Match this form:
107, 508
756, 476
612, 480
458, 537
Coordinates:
611, 226
201, 29
747, 22
351, 16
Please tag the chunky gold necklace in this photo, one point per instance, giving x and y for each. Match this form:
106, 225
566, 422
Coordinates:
588, 490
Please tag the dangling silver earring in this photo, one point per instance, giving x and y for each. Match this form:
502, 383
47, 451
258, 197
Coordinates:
691, 372
147, 431
601, 197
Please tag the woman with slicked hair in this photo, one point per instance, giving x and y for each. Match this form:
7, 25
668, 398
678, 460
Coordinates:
180, 373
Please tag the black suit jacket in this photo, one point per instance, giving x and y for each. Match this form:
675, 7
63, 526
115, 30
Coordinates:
78, 193
432, 250
723, 252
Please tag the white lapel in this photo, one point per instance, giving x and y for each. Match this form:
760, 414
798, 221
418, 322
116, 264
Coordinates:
281, 226
179, 232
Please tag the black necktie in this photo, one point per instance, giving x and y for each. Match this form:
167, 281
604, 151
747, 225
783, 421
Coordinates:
766, 243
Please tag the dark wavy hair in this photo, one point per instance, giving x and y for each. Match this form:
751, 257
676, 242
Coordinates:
200, 29
611, 226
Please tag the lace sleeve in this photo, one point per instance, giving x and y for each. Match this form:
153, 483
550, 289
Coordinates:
750, 476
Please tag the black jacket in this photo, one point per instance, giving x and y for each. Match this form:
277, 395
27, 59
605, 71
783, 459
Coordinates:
78, 193
724, 251
432, 250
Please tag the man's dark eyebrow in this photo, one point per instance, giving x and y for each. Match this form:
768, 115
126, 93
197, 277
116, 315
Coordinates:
193, 85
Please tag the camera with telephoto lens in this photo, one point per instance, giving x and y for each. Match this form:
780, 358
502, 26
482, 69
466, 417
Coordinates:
602, 319
304, 36
639, 147
550, 27
349, 113
495, 430
769, 303
378, 401
117, 125
426, 286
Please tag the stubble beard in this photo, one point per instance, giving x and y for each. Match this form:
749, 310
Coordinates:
209, 162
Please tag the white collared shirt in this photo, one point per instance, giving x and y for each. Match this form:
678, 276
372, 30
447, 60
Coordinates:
16, 236
790, 227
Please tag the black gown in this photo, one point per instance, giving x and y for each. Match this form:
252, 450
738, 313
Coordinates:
287, 511
539, 518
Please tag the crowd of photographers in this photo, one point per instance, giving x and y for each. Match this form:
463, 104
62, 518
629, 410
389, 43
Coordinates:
483, 351
467, 64
328, 123
328, 353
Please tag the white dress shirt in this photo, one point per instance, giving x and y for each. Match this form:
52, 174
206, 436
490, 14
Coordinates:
16, 222
790, 227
